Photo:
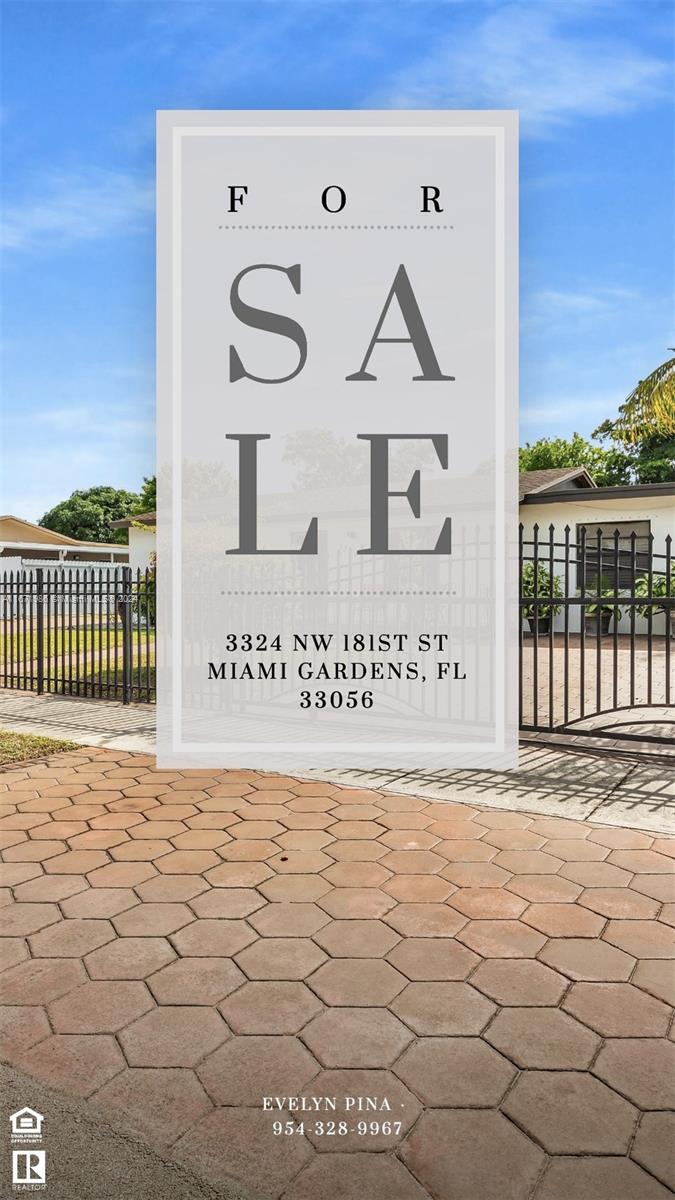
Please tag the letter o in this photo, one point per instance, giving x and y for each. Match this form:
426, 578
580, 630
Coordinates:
324, 197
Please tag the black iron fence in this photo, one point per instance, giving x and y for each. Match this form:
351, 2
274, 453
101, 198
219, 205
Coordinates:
597, 626
88, 633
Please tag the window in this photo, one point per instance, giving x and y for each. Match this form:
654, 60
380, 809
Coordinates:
604, 559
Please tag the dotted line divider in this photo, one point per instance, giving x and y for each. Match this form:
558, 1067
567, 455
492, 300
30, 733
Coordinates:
428, 228
448, 595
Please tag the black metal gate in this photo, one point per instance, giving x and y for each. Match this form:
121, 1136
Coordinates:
88, 633
597, 626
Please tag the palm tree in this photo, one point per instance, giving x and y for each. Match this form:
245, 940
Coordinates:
650, 409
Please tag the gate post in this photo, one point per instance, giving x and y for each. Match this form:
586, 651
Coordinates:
126, 635
40, 630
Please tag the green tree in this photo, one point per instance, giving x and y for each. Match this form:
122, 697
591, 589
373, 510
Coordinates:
608, 467
322, 459
650, 460
88, 515
147, 500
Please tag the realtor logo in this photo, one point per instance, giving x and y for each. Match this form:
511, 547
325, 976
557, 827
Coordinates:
29, 1167
26, 1125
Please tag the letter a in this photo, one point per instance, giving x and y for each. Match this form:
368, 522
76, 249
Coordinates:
402, 290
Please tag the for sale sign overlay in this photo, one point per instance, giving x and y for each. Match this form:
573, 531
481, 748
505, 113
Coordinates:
337, 358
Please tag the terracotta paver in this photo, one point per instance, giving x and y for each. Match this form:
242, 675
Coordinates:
289, 920
583, 958
246, 1068
280, 958
618, 1010
77, 1063
417, 889
642, 939
658, 978
642, 1069
227, 1145
564, 920
195, 981
488, 903
599, 1179
173, 1036
227, 902
518, 982
37, 981
71, 939
353, 1176
21, 1026
295, 887
571, 1113
18, 920
543, 1038
98, 902
158, 1104
432, 959
357, 981
501, 939
279, 1006
356, 939
50, 887
425, 920
356, 1037
203, 953
486, 1150
458, 1072
100, 1006
353, 903
212, 937
653, 1146
129, 958
443, 1008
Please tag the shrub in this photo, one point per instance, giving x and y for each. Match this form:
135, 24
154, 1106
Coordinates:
547, 590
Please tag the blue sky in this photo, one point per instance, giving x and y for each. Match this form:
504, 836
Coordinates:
81, 84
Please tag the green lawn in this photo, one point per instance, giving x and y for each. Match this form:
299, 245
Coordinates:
142, 679
20, 747
66, 641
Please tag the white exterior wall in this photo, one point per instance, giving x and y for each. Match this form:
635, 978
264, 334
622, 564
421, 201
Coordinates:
658, 510
142, 544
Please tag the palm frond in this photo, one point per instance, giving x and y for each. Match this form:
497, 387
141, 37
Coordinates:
650, 408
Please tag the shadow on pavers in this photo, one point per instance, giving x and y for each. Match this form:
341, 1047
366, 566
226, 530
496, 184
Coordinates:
87, 1159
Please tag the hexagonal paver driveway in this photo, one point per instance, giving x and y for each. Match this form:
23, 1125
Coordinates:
441, 1001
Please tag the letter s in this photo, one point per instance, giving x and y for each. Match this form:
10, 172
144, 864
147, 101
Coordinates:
259, 318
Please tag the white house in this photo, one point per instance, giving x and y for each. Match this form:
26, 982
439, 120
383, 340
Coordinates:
142, 538
642, 515
24, 544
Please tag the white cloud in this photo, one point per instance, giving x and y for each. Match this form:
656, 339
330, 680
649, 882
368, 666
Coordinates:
553, 306
567, 409
69, 208
521, 56
93, 423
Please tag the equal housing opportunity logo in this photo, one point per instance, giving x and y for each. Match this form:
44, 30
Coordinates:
29, 1159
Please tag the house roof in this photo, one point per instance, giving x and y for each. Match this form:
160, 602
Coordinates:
626, 491
148, 518
16, 531
563, 478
